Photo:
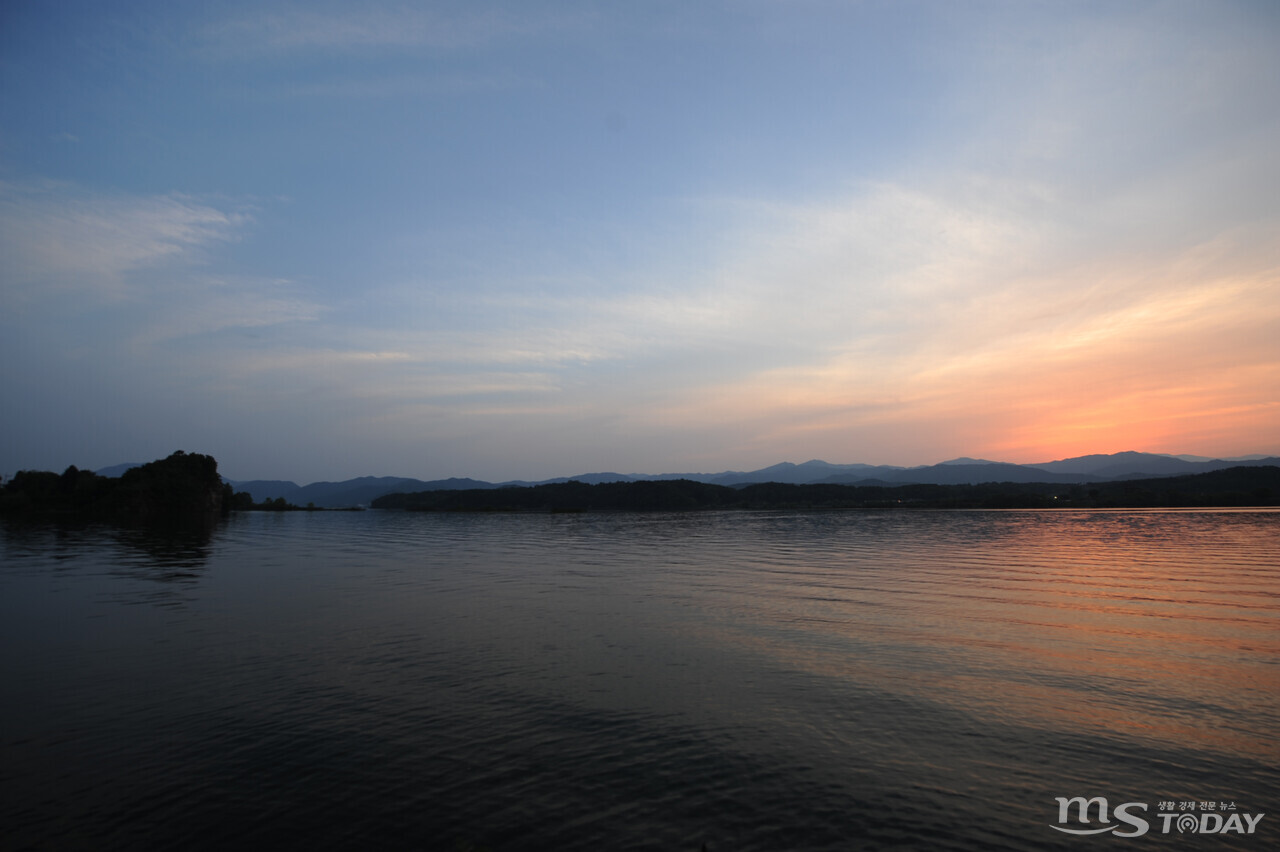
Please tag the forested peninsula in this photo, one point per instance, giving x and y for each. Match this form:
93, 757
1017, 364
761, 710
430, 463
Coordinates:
1237, 486
182, 487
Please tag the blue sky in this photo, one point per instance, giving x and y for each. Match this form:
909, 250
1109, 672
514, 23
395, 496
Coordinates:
523, 240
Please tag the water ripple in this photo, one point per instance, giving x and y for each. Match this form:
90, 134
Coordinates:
754, 681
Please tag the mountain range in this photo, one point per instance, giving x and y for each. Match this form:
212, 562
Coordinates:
1092, 468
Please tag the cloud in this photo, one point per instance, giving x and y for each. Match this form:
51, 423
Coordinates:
1003, 314
59, 241
127, 284
203, 305
1100, 101
1071, 242
1094, 262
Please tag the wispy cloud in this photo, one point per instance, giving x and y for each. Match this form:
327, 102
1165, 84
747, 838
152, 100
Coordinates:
133, 273
58, 240
203, 305
1012, 231
887, 317
976, 307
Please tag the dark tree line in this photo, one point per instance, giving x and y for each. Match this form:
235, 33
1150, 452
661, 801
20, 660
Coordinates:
187, 485
183, 486
244, 502
570, 496
1237, 486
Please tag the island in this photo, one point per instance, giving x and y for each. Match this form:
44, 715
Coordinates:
183, 487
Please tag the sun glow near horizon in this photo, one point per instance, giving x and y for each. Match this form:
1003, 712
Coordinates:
527, 245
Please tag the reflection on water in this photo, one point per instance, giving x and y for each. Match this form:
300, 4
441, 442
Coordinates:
760, 681
171, 555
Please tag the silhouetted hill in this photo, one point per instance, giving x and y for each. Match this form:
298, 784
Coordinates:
572, 496
1120, 464
117, 469
1095, 468
1134, 465
366, 489
1241, 485
1101, 468
810, 471
1237, 486
954, 473
182, 487
267, 489
960, 471
352, 492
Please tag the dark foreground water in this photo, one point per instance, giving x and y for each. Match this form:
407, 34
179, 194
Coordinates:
752, 681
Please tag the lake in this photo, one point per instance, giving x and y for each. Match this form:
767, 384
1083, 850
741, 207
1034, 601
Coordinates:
748, 680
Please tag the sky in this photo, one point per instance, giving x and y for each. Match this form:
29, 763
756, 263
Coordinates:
524, 240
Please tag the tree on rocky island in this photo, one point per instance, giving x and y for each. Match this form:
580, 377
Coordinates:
184, 486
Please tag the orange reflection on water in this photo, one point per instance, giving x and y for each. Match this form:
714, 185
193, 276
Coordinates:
1143, 625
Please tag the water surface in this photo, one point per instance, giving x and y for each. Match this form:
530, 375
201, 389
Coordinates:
754, 681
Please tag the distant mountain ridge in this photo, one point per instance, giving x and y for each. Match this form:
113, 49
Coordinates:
1240, 486
353, 492
960, 471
